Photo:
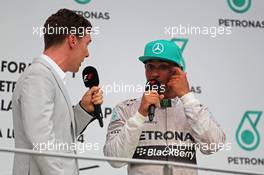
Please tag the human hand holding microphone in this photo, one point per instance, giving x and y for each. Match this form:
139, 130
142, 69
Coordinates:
177, 86
150, 99
93, 98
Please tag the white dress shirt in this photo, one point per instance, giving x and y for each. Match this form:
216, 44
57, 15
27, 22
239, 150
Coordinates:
58, 70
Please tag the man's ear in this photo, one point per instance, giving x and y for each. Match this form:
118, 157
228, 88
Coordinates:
72, 40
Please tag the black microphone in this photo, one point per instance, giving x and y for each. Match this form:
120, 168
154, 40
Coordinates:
90, 79
152, 85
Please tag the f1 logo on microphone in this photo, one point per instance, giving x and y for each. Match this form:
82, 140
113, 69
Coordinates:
88, 77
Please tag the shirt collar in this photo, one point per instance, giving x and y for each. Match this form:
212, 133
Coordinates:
58, 70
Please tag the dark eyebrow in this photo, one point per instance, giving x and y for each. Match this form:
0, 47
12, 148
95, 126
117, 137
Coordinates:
167, 64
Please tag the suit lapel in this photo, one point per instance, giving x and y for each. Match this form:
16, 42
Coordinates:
63, 89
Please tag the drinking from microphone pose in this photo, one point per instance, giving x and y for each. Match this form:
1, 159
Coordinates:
181, 123
43, 116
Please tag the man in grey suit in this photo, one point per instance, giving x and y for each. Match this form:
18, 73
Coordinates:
42, 111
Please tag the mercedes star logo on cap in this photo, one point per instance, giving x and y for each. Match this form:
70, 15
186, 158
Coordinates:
158, 48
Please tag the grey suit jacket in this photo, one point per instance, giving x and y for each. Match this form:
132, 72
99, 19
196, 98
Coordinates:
44, 119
